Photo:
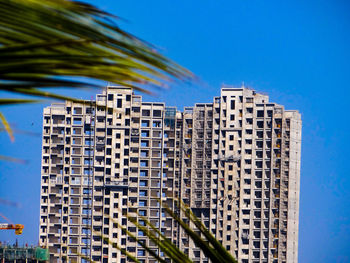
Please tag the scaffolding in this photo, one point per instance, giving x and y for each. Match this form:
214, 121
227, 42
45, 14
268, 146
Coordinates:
170, 114
201, 155
23, 254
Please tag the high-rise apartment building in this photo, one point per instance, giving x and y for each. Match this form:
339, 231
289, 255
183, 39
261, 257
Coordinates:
235, 162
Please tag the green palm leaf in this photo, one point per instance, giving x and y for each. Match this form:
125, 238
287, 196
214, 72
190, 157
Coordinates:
207, 243
12, 159
15, 101
53, 43
6, 126
43, 40
219, 249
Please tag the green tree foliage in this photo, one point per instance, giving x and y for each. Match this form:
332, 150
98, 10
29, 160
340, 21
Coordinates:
60, 43
44, 44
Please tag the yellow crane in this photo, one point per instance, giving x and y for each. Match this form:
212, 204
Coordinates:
17, 227
6, 226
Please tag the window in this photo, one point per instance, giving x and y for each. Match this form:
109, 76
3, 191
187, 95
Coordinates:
156, 144
86, 221
157, 124
75, 171
76, 131
86, 241
86, 211
144, 123
143, 163
87, 161
249, 121
232, 104
259, 164
157, 113
144, 133
143, 183
146, 113
144, 143
142, 212
119, 103
126, 142
89, 141
77, 121
76, 141
87, 132
143, 193
142, 203
87, 171
73, 240
86, 191
259, 144
260, 113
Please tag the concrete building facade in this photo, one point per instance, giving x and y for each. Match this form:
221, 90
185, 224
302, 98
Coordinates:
235, 162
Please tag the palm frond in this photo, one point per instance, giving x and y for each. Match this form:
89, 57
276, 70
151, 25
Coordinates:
7, 126
227, 257
43, 40
206, 247
207, 243
165, 245
141, 243
15, 101
19, 131
122, 250
12, 159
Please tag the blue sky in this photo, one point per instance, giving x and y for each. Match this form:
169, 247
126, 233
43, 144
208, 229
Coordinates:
296, 51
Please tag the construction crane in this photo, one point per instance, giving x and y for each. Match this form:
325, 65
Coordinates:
7, 226
17, 227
